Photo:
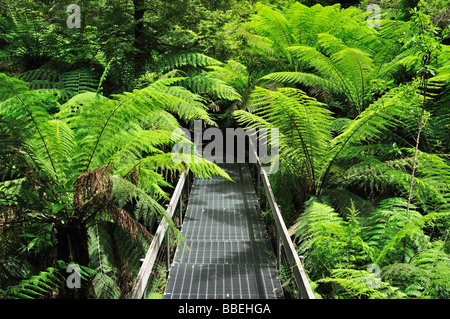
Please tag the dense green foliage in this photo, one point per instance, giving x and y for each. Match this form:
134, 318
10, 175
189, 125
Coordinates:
354, 106
87, 117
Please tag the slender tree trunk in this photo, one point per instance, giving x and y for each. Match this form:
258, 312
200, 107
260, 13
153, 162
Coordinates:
140, 56
416, 149
420, 127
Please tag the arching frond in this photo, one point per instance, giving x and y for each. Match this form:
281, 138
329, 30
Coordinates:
188, 59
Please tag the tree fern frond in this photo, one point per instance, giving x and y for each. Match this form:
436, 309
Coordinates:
304, 78
362, 284
410, 229
29, 110
67, 84
101, 250
388, 218
384, 113
343, 199
129, 251
323, 64
233, 73
105, 287
43, 284
71, 108
193, 59
273, 25
79, 81
205, 84
125, 191
304, 125
189, 106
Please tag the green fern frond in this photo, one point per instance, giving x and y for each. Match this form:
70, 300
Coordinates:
232, 73
66, 85
105, 287
188, 59
360, 284
302, 122
369, 125
129, 251
320, 224
101, 250
272, 24
43, 284
146, 206
302, 77
102, 254
387, 220
216, 88
79, 81
73, 106
189, 106
342, 199
412, 228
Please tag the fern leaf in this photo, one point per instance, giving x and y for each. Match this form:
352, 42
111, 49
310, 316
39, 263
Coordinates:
193, 59
105, 287
355, 285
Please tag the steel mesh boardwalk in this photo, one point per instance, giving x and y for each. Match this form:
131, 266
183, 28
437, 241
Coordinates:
228, 254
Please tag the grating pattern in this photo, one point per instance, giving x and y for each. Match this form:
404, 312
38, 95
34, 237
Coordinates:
224, 252
219, 281
227, 253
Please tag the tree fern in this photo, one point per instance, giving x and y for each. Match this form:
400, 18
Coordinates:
29, 37
96, 159
386, 112
339, 69
274, 32
305, 126
190, 70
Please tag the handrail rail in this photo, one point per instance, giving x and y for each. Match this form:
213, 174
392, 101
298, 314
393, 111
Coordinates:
147, 265
294, 260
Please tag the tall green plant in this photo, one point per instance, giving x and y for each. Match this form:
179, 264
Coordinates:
307, 145
97, 158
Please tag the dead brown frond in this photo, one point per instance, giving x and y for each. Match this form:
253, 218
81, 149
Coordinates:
124, 280
129, 224
93, 194
93, 191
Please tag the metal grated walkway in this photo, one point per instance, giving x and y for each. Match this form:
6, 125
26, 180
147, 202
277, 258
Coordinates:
228, 254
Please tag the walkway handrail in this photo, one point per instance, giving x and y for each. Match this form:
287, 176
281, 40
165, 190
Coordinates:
289, 249
147, 265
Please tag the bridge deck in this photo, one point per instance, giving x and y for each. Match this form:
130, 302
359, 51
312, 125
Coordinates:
228, 254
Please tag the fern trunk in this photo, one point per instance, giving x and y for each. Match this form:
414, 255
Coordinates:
72, 246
